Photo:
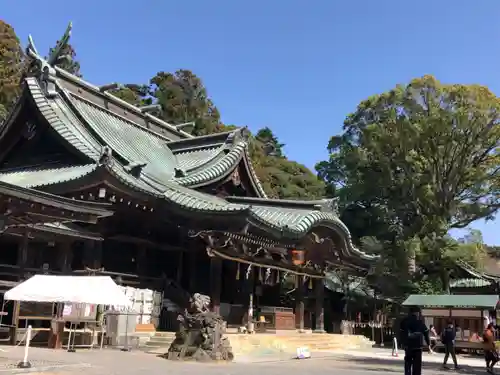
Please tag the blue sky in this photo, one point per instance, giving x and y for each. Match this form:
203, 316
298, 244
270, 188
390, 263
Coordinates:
296, 66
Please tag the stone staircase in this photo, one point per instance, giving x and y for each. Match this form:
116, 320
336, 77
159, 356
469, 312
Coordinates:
289, 342
271, 343
159, 342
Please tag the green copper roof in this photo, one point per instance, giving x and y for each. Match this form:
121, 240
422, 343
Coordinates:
63, 121
138, 145
469, 283
189, 160
452, 301
166, 174
38, 177
133, 143
221, 167
288, 223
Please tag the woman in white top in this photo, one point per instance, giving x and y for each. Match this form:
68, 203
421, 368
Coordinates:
434, 337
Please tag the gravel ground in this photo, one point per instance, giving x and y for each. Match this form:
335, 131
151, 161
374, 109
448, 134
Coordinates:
115, 362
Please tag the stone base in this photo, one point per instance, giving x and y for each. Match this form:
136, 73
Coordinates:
201, 338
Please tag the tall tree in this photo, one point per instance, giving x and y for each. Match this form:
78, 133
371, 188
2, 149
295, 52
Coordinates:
134, 94
280, 177
68, 60
184, 98
424, 156
270, 142
11, 62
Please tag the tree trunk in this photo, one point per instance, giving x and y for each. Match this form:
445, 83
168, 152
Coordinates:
445, 280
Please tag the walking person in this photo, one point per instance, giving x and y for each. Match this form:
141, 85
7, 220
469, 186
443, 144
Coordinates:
434, 337
490, 350
448, 337
413, 332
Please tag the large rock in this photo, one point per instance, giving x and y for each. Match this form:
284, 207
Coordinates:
201, 336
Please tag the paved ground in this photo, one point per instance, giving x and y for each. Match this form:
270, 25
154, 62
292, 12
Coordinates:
114, 362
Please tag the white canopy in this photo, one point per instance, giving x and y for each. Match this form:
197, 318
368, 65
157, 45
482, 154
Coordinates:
98, 290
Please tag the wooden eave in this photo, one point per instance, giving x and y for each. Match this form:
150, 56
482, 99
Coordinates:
53, 231
39, 205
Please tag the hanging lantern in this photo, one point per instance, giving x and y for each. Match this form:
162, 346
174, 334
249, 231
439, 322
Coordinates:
237, 271
298, 257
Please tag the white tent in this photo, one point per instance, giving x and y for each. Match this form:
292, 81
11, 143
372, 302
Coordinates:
98, 290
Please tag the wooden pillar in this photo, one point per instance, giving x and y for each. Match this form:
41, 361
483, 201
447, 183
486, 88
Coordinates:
87, 254
215, 283
22, 255
92, 254
319, 291
299, 302
65, 257
248, 276
22, 259
97, 261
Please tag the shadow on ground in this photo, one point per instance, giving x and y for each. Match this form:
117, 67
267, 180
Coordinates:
391, 366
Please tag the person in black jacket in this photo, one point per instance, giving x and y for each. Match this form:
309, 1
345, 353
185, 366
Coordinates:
413, 332
448, 339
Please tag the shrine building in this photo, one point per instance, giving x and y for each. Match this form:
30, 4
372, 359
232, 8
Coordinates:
92, 184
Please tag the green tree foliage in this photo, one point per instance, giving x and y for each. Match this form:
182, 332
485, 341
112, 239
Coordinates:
271, 145
183, 98
280, 177
11, 66
137, 95
418, 160
67, 60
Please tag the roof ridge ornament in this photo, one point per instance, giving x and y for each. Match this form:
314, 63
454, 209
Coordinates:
239, 135
135, 169
55, 55
329, 205
179, 172
105, 156
44, 68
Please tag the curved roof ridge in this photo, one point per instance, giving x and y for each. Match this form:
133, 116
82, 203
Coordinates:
209, 140
325, 205
95, 89
55, 114
220, 169
212, 156
296, 222
71, 95
41, 177
176, 194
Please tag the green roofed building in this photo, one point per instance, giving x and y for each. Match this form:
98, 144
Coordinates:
189, 212
452, 301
